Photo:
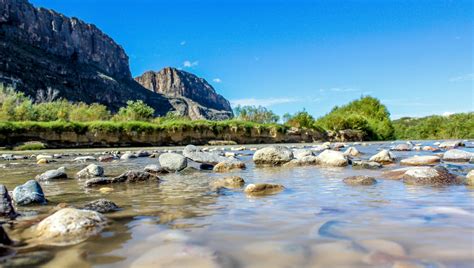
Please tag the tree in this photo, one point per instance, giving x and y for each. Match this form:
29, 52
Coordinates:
257, 114
135, 111
299, 119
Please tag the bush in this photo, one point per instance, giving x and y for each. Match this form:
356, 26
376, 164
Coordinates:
30, 146
299, 119
255, 114
82, 112
135, 111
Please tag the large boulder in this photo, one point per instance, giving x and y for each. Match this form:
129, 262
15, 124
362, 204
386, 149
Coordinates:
91, 171
69, 226
455, 155
420, 160
332, 159
29, 193
54, 174
263, 189
273, 155
430, 176
383, 157
172, 161
6, 206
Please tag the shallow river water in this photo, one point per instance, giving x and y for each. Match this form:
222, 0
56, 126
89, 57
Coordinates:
317, 221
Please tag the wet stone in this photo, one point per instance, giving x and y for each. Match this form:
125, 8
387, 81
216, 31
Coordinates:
101, 205
173, 162
332, 158
228, 166
273, 155
421, 160
29, 193
360, 180
228, 182
155, 169
6, 206
430, 176
363, 164
29, 259
383, 157
455, 155
91, 171
263, 189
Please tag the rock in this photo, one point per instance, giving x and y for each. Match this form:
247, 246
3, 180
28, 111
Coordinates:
4, 239
143, 154
304, 161
402, 147
273, 155
451, 144
106, 158
204, 166
42, 161
172, 162
44, 156
193, 153
106, 190
363, 164
360, 180
455, 155
6, 206
228, 166
54, 174
29, 193
420, 160
263, 189
429, 148
69, 226
352, 151
429, 176
229, 154
470, 178
228, 182
155, 169
127, 177
332, 158
29, 259
383, 157
101, 205
300, 153
86, 158
127, 156
395, 174
91, 171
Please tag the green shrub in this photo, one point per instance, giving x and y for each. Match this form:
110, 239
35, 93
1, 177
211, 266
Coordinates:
255, 114
30, 146
299, 119
135, 111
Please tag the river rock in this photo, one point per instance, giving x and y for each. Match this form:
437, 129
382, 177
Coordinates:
44, 156
451, 144
127, 177
155, 169
29, 193
455, 155
429, 148
127, 156
310, 160
142, 154
383, 157
4, 238
263, 189
364, 164
6, 206
43, 161
300, 153
420, 160
197, 155
332, 158
173, 162
360, 180
86, 158
228, 182
101, 205
69, 226
91, 171
272, 155
107, 158
470, 178
352, 151
402, 147
228, 166
429, 176
54, 174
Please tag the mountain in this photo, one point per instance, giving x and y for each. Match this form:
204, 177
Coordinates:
41, 49
175, 83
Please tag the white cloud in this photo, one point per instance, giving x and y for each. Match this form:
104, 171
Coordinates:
447, 113
263, 102
216, 80
189, 64
462, 78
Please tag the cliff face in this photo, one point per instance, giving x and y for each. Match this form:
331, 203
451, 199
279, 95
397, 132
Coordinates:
177, 83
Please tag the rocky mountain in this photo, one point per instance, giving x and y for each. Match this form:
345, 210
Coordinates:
176, 83
41, 49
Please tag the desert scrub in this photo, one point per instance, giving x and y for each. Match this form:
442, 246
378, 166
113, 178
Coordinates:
30, 146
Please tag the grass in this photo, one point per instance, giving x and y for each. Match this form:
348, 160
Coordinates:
30, 146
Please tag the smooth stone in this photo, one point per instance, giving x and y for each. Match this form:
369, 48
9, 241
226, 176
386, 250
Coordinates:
142, 154
29, 259
338, 145
363, 164
470, 178
155, 169
229, 154
332, 158
42, 161
69, 226
91, 171
101, 205
205, 157
304, 161
359, 180
127, 177
402, 147
189, 170
228, 182
84, 158
335, 254
351, 151
421, 160
273, 155
54, 174
106, 158
29, 193
455, 155
44, 156
429, 148
429, 176
106, 190
6, 205
451, 144
383, 157
263, 189
172, 161
301, 153
228, 166
127, 156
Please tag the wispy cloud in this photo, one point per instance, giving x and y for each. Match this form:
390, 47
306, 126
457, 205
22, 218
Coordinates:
216, 80
182, 43
462, 78
339, 89
447, 113
189, 64
263, 102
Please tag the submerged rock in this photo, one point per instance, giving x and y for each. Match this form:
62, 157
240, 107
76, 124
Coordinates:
84, 158
360, 180
29, 193
6, 206
228, 166
127, 156
228, 182
455, 155
402, 147
310, 160
155, 169
383, 157
263, 189
273, 155
421, 160
127, 177
364, 164
332, 158
173, 162
91, 171
29, 259
69, 226
101, 205
54, 174
429, 176
470, 178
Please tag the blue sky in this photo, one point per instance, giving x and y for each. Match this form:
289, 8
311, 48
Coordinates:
415, 56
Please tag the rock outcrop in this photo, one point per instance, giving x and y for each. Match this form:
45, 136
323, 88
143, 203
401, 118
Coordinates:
201, 100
